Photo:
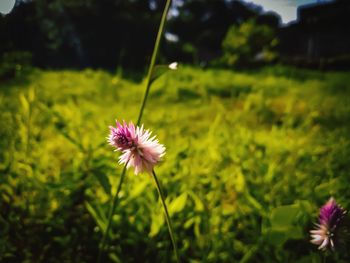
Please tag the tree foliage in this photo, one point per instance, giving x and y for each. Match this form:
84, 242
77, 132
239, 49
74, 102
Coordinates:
249, 43
95, 33
110, 33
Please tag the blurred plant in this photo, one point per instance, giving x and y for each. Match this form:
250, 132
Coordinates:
249, 43
282, 124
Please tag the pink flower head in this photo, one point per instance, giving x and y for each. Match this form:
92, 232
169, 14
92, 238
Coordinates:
331, 215
121, 136
139, 150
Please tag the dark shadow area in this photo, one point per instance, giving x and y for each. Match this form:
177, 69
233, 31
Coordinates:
111, 34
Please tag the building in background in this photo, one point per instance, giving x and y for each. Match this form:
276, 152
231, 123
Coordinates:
320, 37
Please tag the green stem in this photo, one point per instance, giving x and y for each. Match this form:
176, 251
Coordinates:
153, 59
149, 76
324, 258
167, 217
110, 216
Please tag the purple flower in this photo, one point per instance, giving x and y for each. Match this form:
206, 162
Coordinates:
139, 150
325, 235
121, 136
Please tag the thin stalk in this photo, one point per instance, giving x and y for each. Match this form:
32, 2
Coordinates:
110, 216
153, 59
167, 217
148, 85
29, 120
324, 258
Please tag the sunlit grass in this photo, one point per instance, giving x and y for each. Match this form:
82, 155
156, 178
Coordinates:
239, 146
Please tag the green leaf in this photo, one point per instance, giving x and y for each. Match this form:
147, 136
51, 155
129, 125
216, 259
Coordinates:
159, 70
114, 257
279, 235
270, 172
283, 216
189, 223
253, 202
31, 95
251, 252
157, 222
138, 189
198, 204
24, 102
178, 204
97, 215
102, 178
324, 189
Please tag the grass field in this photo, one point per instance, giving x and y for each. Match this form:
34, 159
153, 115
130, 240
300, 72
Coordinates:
251, 156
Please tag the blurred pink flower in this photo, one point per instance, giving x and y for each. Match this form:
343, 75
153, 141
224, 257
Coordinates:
138, 149
326, 233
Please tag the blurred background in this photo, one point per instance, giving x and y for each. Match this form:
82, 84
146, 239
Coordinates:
110, 34
256, 123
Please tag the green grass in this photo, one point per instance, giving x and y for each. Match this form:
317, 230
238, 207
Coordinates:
250, 158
